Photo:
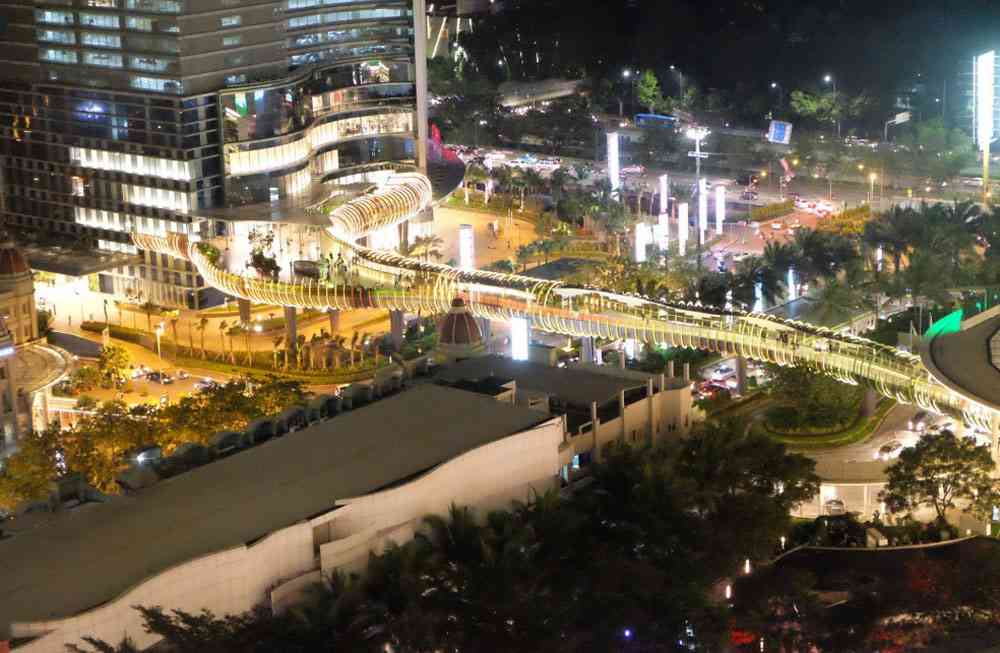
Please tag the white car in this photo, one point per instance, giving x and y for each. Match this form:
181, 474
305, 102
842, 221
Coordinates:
722, 372
776, 225
889, 450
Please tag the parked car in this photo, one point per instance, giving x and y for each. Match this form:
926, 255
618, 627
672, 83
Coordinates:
835, 507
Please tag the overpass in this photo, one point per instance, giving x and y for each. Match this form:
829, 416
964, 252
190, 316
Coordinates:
379, 279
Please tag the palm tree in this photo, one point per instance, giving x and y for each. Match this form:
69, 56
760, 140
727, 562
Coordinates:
276, 341
428, 246
202, 325
222, 336
546, 247
173, 330
300, 341
752, 273
557, 184
524, 255
149, 308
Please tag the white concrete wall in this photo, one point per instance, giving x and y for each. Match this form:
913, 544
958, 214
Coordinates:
235, 580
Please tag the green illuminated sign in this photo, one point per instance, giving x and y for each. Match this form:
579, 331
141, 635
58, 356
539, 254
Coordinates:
950, 323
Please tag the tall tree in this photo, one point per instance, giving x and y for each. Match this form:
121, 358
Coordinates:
942, 471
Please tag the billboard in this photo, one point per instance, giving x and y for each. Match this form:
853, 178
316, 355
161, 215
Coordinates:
984, 95
780, 132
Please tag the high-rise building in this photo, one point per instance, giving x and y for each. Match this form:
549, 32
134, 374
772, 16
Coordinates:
191, 116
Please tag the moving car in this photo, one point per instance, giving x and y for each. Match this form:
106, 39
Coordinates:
889, 450
918, 422
721, 372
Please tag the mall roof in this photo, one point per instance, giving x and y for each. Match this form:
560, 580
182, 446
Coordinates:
573, 385
77, 559
962, 361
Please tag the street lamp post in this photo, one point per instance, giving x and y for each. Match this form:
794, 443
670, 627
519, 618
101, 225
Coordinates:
776, 86
871, 190
830, 79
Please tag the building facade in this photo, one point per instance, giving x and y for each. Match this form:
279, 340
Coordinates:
187, 116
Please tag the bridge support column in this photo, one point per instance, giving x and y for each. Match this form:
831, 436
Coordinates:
334, 315
995, 439
595, 424
670, 370
486, 330
404, 232
244, 306
621, 411
291, 331
869, 402
587, 353
687, 371
396, 325
651, 408
741, 375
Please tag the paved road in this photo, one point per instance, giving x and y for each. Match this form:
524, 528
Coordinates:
858, 462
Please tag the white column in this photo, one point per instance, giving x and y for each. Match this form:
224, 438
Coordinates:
702, 208
613, 173
664, 193
720, 208
466, 247
682, 227
420, 65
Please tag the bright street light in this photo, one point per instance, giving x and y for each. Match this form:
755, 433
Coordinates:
626, 73
827, 79
774, 84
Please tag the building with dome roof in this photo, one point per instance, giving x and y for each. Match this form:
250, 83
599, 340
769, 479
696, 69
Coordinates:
459, 336
17, 293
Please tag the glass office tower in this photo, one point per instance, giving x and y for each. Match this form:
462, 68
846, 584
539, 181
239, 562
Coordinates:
158, 116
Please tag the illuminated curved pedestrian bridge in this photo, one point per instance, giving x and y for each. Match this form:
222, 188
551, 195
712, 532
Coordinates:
369, 278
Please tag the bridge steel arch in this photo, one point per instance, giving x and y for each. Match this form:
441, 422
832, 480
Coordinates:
380, 279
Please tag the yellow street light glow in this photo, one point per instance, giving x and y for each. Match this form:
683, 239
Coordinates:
795, 162
873, 176
861, 166
763, 173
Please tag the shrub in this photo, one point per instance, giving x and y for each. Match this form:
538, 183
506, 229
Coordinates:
778, 209
785, 418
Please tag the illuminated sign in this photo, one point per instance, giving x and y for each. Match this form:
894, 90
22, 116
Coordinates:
983, 91
720, 208
779, 132
519, 338
613, 172
466, 247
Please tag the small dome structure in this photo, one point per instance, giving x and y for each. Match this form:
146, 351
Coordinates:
458, 334
12, 261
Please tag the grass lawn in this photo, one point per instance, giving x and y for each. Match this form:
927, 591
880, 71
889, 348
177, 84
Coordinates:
862, 428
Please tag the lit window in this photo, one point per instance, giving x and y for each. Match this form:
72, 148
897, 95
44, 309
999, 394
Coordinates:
157, 6
139, 23
150, 64
77, 183
58, 56
54, 17
56, 36
231, 41
231, 21
234, 60
99, 40
103, 59
158, 85
106, 21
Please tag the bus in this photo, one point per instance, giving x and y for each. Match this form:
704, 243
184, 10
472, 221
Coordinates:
654, 120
